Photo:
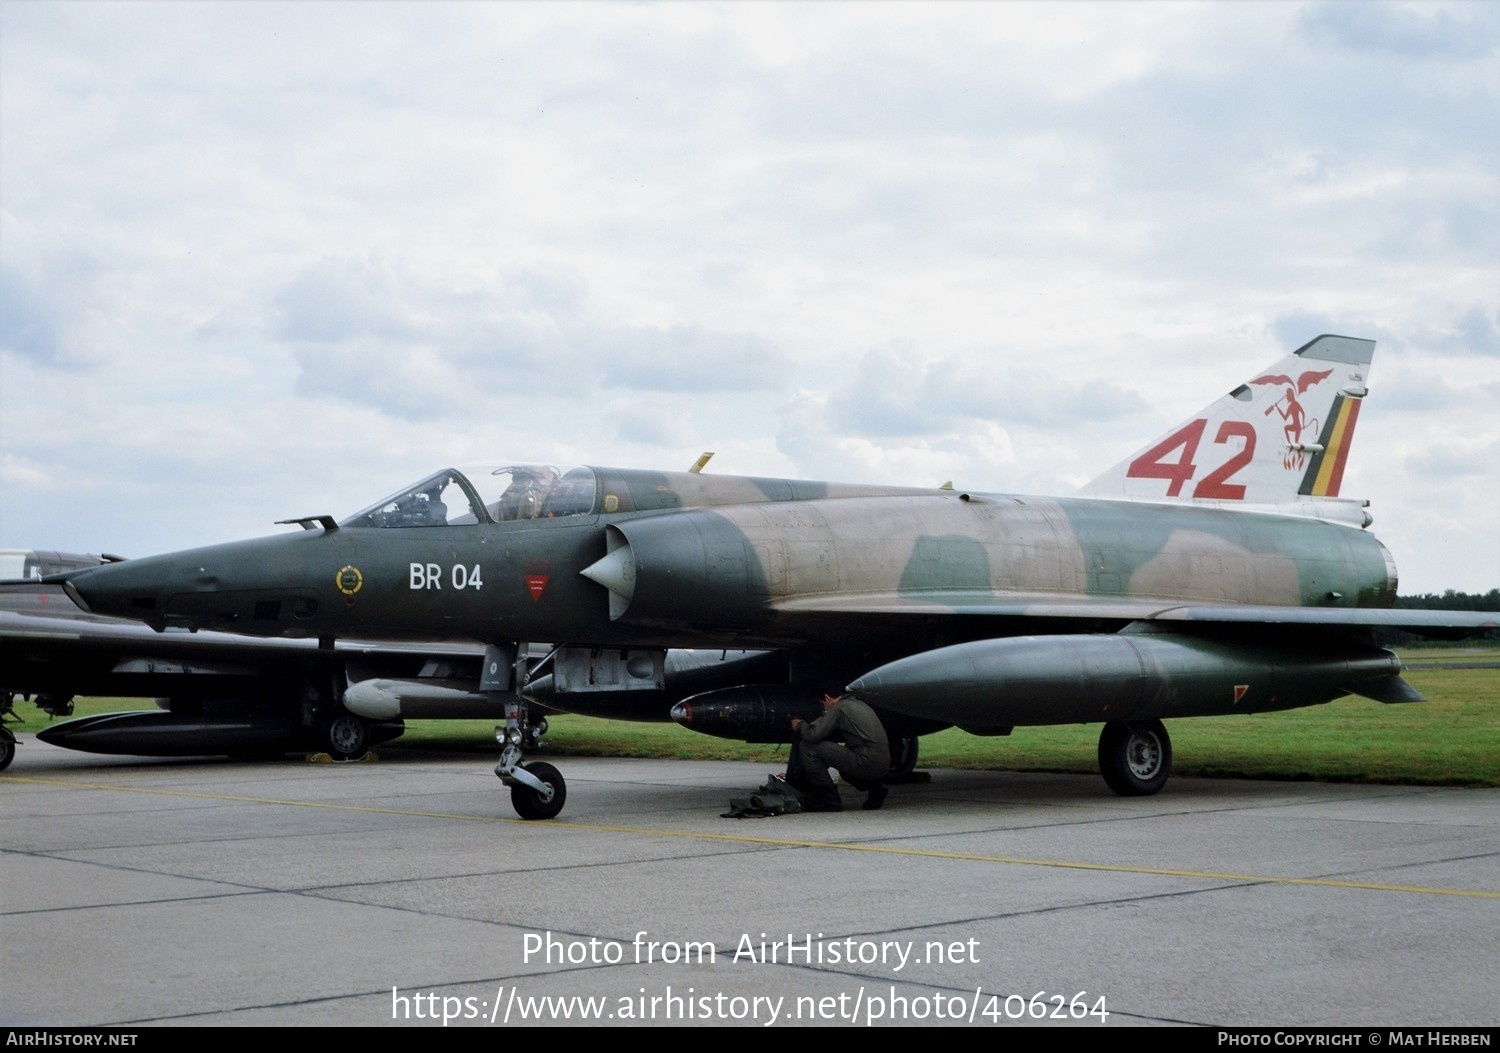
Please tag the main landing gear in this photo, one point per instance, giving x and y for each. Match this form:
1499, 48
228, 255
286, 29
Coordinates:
537, 790
7, 737
1135, 757
903, 756
344, 736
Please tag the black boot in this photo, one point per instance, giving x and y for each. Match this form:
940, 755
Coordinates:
826, 802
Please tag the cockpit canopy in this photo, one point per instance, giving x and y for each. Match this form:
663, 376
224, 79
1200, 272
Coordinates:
485, 494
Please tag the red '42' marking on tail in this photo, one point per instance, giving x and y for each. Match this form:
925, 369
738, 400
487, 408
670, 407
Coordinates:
1153, 464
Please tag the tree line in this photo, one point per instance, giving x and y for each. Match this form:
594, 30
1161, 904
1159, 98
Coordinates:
1446, 601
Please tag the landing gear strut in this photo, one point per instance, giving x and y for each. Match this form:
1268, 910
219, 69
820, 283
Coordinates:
7, 737
903, 756
342, 735
537, 790
1135, 757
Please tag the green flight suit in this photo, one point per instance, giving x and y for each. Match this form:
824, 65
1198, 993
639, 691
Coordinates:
849, 737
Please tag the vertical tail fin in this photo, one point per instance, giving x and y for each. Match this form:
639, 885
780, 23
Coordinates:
1283, 434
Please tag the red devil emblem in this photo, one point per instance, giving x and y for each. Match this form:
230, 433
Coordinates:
1291, 411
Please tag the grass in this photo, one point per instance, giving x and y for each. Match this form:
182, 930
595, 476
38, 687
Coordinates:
1451, 740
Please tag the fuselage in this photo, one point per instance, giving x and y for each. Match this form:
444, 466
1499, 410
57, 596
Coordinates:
681, 560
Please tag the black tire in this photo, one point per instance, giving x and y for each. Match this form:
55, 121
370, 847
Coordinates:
529, 804
346, 737
7, 748
903, 756
1135, 758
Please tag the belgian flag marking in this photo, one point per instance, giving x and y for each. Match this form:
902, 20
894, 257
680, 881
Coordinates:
1325, 474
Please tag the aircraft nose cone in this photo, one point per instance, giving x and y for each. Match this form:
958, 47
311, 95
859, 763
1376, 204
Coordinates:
262, 587
141, 588
119, 589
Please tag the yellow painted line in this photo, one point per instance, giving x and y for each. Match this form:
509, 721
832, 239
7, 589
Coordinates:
779, 842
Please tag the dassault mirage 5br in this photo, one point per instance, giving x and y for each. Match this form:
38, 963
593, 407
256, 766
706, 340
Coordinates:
1214, 571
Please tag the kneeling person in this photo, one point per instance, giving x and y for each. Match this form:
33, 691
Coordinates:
849, 737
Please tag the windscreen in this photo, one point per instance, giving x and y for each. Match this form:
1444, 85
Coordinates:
483, 494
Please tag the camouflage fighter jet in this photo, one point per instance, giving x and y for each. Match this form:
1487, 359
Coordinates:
1217, 570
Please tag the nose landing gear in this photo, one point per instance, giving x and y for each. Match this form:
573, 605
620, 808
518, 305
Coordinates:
537, 790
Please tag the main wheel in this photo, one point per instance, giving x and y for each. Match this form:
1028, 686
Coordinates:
903, 756
1135, 757
7, 748
346, 737
532, 805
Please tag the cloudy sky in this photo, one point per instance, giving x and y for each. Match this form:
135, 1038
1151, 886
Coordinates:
264, 260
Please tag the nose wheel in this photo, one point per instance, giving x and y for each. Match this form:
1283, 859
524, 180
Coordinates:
544, 803
537, 790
